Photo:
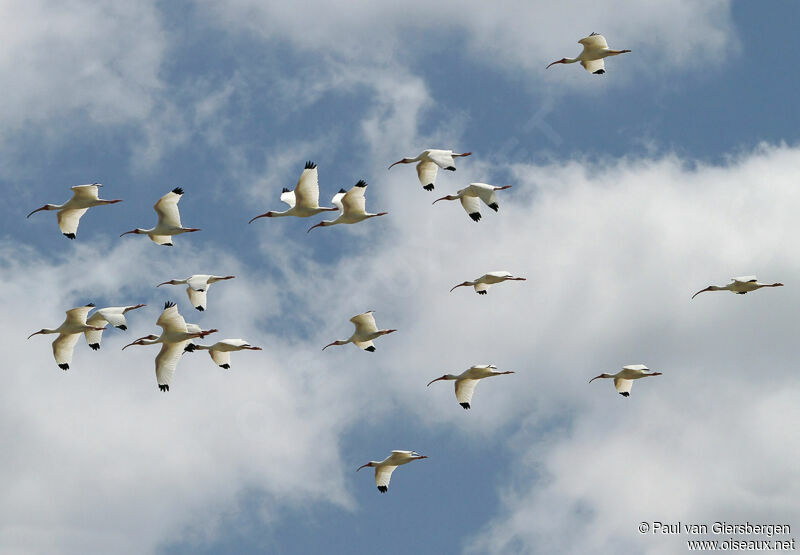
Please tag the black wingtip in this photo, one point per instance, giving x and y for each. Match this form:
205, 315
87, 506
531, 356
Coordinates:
361, 183
168, 304
428, 187
200, 308
163, 387
383, 489
284, 190
465, 405
593, 34
166, 244
342, 191
310, 165
451, 168
625, 393
190, 348
64, 366
494, 206
599, 72
123, 327
476, 216
177, 191
95, 346
69, 235
225, 366
481, 292
370, 349
89, 304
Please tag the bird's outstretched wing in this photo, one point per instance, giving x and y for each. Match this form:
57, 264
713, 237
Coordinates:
472, 206
221, 358
197, 298
594, 66
364, 323
623, 386
307, 189
170, 320
85, 192
167, 208
464, 390
63, 347
426, 171
354, 201
166, 361
78, 315
442, 158
68, 221
383, 474
593, 42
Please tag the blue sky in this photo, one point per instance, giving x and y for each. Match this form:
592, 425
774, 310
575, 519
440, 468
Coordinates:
632, 190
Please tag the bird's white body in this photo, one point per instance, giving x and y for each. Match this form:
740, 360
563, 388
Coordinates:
220, 351
595, 48
114, 315
483, 283
468, 379
472, 195
69, 214
739, 285
384, 468
366, 330
198, 286
68, 334
428, 163
303, 201
169, 220
623, 380
352, 205
174, 338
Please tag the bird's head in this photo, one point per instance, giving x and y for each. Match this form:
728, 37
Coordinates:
41, 331
403, 161
465, 284
269, 214
561, 61
136, 231
170, 282
370, 463
444, 377
321, 224
141, 341
448, 197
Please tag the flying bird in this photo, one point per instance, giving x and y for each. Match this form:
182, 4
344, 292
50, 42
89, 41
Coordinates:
430, 161
198, 286
114, 315
69, 214
169, 220
174, 337
352, 204
68, 333
468, 379
304, 200
739, 285
366, 330
471, 196
595, 48
483, 283
220, 351
623, 380
384, 468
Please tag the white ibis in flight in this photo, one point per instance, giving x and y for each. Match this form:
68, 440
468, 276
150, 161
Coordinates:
352, 204
169, 220
114, 315
366, 330
468, 379
623, 380
174, 337
68, 333
198, 286
471, 196
739, 285
69, 214
429, 162
220, 351
595, 48
303, 201
384, 468
483, 283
